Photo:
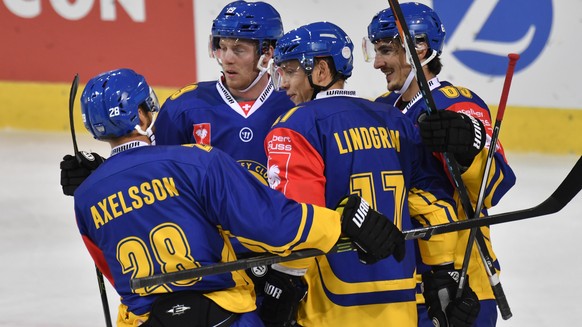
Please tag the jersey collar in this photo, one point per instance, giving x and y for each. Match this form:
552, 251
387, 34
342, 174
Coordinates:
336, 93
228, 98
127, 146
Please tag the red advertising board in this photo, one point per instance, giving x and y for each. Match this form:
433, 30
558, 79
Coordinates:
50, 41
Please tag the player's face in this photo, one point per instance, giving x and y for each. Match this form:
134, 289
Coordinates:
294, 81
390, 59
239, 62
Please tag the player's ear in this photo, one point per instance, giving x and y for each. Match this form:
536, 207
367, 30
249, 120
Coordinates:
145, 118
268, 53
322, 72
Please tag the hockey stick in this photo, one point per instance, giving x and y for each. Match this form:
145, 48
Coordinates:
450, 161
569, 187
100, 281
513, 57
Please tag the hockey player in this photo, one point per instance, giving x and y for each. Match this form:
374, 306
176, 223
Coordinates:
333, 143
155, 209
235, 112
463, 128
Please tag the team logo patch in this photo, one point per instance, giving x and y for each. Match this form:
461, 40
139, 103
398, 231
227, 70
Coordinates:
201, 133
256, 169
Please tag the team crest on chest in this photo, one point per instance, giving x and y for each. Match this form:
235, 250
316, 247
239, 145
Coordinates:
201, 133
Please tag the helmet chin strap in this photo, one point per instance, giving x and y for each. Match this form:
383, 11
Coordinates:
148, 132
411, 74
262, 71
319, 88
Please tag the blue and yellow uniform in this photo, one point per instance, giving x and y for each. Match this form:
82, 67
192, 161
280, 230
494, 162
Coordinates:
156, 209
340, 144
501, 176
207, 113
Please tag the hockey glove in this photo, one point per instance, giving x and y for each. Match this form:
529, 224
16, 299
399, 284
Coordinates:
373, 234
282, 295
73, 172
440, 289
449, 131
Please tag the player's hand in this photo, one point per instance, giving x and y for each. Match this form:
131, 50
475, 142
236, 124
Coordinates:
440, 288
373, 234
449, 131
282, 295
73, 172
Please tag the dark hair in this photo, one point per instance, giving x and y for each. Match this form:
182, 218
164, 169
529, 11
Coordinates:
434, 66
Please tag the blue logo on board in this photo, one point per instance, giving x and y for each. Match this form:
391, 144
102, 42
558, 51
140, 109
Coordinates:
500, 27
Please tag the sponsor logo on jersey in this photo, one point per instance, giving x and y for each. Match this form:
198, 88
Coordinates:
480, 33
280, 143
245, 134
201, 133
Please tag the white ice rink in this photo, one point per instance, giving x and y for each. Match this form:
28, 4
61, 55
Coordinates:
48, 278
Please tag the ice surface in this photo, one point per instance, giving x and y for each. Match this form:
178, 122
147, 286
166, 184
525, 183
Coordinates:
49, 279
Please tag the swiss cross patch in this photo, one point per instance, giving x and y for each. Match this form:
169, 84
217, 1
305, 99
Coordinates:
246, 106
201, 133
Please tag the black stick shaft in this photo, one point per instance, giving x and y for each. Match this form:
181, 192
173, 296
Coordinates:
450, 161
100, 282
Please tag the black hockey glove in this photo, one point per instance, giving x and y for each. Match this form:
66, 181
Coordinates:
73, 172
373, 234
282, 295
440, 290
258, 275
449, 131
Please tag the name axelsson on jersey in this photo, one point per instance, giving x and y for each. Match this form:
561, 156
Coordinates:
117, 204
365, 138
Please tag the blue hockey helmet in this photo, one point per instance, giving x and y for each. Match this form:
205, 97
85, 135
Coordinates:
320, 39
421, 20
247, 20
110, 102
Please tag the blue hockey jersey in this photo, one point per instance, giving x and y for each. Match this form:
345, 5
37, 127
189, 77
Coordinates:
206, 113
501, 176
340, 144
157, 209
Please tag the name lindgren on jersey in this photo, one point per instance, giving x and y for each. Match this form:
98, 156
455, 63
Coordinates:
341, 144
206, 113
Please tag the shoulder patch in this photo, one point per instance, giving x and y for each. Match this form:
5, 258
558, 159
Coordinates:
204, 147
187, 88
